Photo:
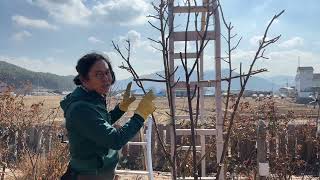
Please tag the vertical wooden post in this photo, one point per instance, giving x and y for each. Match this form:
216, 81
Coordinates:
39, 141
263, 165
218, 99
291, 140
157, 151
168, 133
203, 152
3, 171
30, 138
15, 146
172, 90
50, 143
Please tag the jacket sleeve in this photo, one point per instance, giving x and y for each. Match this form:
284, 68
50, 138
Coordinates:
90, 124
116, 114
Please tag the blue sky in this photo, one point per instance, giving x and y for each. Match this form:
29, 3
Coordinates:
51, 35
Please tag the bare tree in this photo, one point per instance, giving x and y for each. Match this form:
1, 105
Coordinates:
244, 77
164, 21
139, 83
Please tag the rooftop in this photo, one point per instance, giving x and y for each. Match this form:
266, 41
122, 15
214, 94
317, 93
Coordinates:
305, 68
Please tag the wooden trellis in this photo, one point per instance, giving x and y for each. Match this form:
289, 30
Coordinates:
207, 7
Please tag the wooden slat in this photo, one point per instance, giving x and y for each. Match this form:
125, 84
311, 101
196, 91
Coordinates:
192, 36
137, 143
191, 178
201, 132
193, 9
186, 148
188, 55
131, 172
203, 83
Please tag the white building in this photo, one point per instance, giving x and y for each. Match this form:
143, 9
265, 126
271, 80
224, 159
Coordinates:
316, 81
307, 83
287, 92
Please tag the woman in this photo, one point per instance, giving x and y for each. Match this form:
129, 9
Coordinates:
94, 142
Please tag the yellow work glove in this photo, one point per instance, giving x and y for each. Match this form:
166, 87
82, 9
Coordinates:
127, 99
146, 106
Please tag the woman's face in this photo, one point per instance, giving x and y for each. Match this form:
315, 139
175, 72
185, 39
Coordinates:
99, 78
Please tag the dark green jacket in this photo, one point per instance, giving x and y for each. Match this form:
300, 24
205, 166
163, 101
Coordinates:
93, 141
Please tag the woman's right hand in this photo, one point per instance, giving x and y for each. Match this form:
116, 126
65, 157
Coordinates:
127, 99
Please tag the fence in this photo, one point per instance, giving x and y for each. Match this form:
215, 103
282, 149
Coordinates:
295, 143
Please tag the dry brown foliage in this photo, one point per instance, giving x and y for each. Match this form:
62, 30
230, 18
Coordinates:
30, 148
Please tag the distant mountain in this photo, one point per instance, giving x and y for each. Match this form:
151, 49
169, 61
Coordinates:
17, 76
283, 80
255, 83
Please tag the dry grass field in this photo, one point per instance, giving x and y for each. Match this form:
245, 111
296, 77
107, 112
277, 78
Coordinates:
249, 109
282, 106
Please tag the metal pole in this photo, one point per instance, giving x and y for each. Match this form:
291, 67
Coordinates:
149, 149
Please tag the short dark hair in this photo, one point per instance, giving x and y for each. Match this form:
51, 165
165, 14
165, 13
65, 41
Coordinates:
86, 62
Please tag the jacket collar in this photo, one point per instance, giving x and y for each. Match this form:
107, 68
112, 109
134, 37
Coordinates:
92, 95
